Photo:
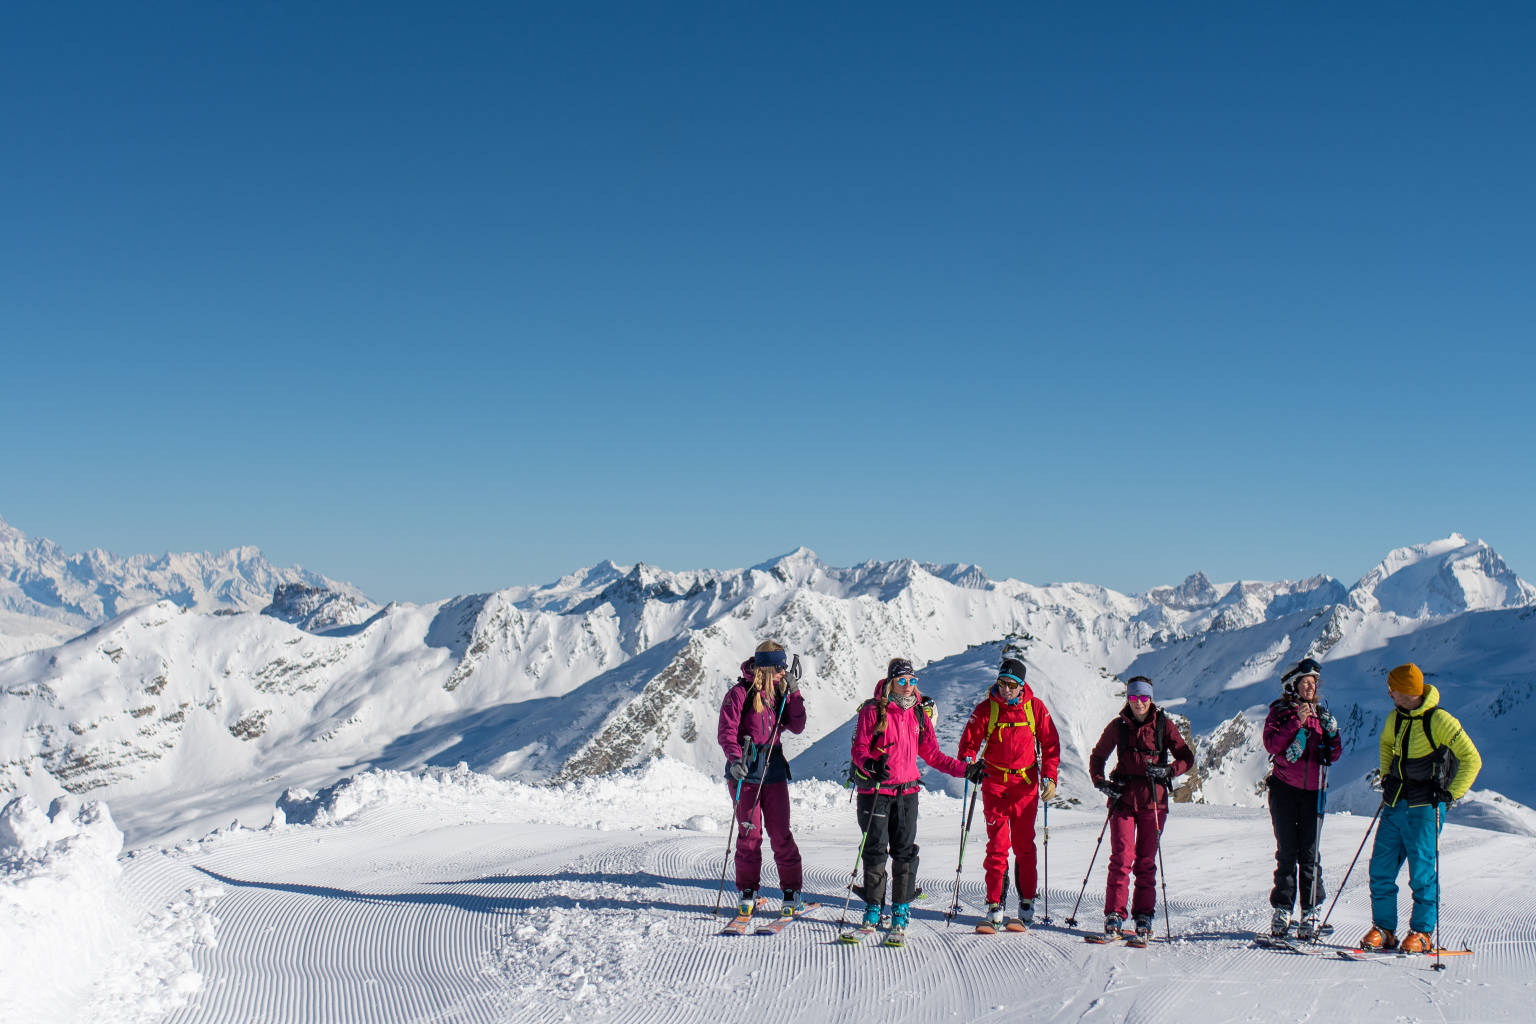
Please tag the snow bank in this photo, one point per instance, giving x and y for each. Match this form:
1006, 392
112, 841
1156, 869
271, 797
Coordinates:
72, 947
663, 793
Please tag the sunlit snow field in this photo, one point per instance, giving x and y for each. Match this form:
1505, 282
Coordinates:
447, 895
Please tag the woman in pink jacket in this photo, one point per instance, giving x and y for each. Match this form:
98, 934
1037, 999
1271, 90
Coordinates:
893, 730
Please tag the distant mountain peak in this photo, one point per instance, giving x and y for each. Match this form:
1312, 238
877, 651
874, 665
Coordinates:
40, 581
1443, 577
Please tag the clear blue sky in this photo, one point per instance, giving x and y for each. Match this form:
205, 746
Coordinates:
441, 298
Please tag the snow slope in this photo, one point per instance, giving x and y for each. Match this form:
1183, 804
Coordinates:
447, 895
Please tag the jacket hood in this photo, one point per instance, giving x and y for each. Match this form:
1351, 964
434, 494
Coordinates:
1431, 700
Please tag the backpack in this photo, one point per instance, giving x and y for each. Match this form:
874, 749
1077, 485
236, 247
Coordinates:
1443, 762
1162, 736
993, 726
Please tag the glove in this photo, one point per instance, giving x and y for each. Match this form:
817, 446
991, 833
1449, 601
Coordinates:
877, 769
1298, 744
1109, 789
1330, 724
976, 771
1048, 789
1158, 773
737, 769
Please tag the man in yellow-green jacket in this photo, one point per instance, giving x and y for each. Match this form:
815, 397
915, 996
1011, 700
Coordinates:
1427, 760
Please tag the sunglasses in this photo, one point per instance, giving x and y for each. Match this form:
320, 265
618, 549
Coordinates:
1139, 700
1008, 682
904, 681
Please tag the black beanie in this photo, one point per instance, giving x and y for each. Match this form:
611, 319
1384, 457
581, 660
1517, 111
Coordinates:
1012, 667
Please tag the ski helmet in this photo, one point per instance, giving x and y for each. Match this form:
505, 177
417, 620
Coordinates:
1304, 667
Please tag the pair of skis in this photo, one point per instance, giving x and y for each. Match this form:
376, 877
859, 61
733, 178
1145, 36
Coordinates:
742, 922
1303, 948
1130, 938
895, 937
1013, 924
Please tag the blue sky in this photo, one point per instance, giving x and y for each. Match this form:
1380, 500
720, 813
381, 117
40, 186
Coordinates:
442, 298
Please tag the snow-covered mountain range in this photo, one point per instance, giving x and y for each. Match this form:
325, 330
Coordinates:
183, 718
48, 595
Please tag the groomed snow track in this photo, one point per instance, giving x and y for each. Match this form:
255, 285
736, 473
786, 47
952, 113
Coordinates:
415, 914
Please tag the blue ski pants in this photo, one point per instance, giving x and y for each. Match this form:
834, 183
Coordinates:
1406, 833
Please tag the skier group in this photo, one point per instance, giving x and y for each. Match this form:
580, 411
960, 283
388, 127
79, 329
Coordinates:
1010, 751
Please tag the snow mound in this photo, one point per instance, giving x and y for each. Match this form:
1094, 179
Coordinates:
71, 947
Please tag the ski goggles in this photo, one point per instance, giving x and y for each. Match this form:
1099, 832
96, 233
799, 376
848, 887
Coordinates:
1009, 681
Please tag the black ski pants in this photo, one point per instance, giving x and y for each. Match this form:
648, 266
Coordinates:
1293, 812
892, 824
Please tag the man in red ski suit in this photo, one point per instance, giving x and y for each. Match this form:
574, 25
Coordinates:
1143, 738
1020, 755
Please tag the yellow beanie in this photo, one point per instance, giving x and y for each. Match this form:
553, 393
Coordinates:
1406, 679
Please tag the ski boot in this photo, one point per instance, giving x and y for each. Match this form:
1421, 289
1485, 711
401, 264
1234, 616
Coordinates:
1418, 942
1112, 925
1306, 931
748, 903
1144, 925
793, 904
871, 915
1379, 938
1026, 912
1280, 922
901, 915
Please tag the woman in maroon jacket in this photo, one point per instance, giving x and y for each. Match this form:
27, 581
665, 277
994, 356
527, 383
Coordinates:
1142, 738
751, 734
1302, 738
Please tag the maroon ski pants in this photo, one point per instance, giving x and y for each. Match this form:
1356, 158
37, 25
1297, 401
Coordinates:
1133, 848
753, 817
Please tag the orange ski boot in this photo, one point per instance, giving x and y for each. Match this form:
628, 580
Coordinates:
1418, 942
1378, 938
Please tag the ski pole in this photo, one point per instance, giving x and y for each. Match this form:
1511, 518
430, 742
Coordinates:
1046, 811
1340, 891
965, 830
1317, 845
1438, 965
1072, 918
730, 839
1161, 873
858, 858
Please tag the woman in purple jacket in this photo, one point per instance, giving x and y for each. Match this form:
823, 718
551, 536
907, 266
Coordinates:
1302, 738
764, 703
892, 731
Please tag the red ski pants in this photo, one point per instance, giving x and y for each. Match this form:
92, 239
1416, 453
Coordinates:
753, 817
1010, 806
1133, 847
